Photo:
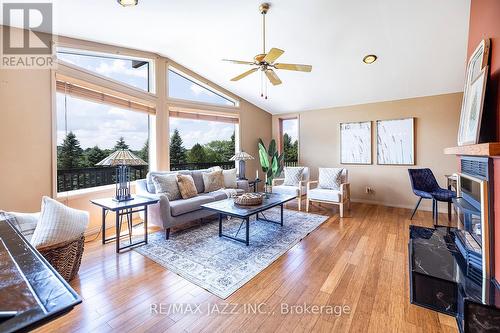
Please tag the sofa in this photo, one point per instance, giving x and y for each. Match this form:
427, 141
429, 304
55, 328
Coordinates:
168, 214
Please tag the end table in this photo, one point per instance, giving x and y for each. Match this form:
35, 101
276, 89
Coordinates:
124, 208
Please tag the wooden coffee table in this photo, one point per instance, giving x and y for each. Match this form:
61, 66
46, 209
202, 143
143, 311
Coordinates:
227, 207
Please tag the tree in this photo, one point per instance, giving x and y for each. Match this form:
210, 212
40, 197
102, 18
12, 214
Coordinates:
220, 150
94, 155
197, 154
144, 152
177, 150
290, 148
70, 153
120, 144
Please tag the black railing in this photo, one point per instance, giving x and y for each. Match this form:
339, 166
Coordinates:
291, 163
76, 179
199, 166
80, 178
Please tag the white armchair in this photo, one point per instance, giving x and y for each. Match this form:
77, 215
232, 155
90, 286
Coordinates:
340, 197
299, 190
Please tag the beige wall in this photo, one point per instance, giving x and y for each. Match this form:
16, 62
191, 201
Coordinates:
25, 138
436, 126
27, 142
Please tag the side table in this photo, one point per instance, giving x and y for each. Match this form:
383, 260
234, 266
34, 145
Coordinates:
254, 183
121, 209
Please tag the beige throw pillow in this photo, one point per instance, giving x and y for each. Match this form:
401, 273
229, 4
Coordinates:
230, 180
58, 223
213, 181
167, 184
186, 186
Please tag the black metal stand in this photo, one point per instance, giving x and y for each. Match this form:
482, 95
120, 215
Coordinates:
127, 212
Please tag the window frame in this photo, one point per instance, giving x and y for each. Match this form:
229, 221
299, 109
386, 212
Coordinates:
89, 53
281, 133
201, 84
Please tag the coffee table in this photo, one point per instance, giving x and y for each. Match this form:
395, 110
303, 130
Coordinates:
227, 207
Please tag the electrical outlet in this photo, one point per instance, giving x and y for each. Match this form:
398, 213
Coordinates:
368, 190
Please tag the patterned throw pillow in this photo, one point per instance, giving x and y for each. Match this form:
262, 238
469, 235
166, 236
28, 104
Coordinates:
330, 178
213, 181
186, 186
230, 178
58, 223
293, 176
167, 184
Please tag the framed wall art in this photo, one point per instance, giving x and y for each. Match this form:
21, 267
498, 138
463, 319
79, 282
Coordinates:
470, 119
477, 62
395, 142
356, 143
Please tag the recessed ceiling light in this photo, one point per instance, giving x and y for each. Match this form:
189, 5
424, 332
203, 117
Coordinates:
127, 3
370, 59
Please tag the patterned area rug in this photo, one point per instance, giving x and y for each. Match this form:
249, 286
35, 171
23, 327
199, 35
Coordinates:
221, 265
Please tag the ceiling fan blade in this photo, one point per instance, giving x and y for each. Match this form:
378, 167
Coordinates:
294, 67
273, 54
239, 77
239, 61
271, 75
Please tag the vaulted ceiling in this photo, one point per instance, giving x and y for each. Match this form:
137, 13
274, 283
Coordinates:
421, 44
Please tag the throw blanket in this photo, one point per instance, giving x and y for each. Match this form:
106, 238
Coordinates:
230, 192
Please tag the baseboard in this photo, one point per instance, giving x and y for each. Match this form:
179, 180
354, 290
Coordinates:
381, 203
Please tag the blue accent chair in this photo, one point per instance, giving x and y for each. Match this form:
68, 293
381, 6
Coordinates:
425, 186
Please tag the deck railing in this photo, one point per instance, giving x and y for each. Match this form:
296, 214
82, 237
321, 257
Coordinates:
80, 178
199, 166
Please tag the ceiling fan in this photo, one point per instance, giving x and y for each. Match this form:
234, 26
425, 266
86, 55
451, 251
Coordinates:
265, 61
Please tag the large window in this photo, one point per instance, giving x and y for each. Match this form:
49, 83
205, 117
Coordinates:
87, 132
290, 140
131, 71
199, 144
183, 87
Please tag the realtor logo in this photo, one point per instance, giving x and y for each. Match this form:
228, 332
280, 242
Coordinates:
27, 39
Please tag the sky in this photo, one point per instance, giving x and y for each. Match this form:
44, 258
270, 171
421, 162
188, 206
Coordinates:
291, 127
102, 125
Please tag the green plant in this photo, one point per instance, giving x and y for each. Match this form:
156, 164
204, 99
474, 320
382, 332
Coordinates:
270, 160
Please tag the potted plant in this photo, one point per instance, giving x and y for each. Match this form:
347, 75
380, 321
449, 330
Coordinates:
271, 162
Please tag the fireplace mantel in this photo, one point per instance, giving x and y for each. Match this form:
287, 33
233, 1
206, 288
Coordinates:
481, 149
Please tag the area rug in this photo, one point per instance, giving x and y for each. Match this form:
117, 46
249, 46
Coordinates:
221, 265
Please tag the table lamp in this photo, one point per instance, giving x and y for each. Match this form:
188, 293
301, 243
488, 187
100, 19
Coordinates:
241, 157
122, 159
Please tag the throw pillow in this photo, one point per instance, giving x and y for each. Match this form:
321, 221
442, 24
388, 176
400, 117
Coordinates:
25, 223
58, 223
230, 180
213, 181
186, 186
293, 176
330, 178
167, 184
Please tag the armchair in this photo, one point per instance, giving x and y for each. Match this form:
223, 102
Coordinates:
340, 197
299, 190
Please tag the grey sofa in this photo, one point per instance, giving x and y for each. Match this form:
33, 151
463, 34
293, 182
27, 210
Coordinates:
168, 214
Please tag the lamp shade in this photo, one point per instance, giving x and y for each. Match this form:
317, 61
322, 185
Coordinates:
241, 156
122, 157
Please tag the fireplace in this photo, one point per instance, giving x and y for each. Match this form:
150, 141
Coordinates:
474, 209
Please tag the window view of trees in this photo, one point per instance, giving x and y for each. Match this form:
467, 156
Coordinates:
290, 140
211, 152
88, 132
70, 154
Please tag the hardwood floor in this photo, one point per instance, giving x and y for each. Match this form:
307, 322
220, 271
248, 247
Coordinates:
359, 262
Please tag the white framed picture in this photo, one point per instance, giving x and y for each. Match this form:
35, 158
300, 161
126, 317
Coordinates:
470, 122
356, 143
477, 62
395, 142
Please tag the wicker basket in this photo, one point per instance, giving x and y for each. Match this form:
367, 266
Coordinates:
65, 257
249, 199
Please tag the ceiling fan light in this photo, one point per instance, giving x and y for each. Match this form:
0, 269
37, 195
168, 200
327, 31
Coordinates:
128, 3
369, 59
